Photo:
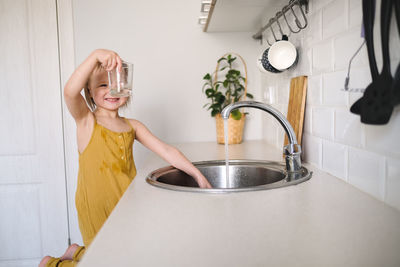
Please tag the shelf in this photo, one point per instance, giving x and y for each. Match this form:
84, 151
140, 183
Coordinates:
239, 15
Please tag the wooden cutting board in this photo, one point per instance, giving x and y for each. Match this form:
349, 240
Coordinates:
297, 105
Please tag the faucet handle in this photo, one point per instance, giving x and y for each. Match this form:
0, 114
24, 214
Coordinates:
292, 157
291, 149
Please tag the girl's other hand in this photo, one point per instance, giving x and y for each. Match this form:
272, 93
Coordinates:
108, 59
203, 182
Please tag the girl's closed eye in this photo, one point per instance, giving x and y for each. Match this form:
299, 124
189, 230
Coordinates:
103, 85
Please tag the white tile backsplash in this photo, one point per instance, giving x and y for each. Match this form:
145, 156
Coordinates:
313, 32
303, 66
366, 171
282, 93
269, 95
307, 126
312, 150
355, 13
385, 138
334, 18
348, 128
393, 182
334, 159
322, 57
332, 95
314, 90
345, 46
334, 139
322, 122
269, 129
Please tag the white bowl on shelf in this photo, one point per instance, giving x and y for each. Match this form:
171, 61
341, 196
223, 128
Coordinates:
282, 55
264, 65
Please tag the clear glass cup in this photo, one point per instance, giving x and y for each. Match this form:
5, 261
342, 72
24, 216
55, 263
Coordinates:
120, 83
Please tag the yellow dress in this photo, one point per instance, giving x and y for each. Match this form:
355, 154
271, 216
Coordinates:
106, 168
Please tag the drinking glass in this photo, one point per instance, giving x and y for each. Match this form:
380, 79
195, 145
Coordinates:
120, 82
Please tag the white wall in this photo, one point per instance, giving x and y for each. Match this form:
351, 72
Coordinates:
365, 156
171, 54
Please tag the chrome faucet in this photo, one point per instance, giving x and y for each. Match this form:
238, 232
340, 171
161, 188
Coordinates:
291, 151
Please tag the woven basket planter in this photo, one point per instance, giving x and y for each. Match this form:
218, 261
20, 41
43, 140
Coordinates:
235, 127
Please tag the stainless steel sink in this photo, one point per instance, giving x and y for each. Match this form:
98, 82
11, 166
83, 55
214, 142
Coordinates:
245, 175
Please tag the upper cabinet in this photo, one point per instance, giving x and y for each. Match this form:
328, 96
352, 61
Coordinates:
237, 15
249, 15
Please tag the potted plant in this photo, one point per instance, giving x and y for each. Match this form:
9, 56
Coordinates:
231, 89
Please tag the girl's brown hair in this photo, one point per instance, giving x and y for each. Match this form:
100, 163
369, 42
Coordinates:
89, 98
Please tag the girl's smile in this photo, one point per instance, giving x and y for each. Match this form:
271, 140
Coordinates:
112, 99
104, 100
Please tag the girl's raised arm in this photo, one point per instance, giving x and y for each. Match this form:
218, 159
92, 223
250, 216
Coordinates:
72, 91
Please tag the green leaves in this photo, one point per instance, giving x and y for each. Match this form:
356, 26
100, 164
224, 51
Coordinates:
220, 98
236, 114
214, 112
207, 77
232, 89
210, 92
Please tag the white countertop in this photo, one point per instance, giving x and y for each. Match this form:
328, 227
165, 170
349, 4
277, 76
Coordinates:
321, 222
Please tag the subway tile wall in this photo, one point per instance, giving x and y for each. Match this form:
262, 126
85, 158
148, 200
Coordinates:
334, 140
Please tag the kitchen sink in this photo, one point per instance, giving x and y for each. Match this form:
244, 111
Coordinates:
245, 175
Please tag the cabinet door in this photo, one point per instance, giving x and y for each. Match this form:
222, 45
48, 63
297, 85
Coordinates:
33, 209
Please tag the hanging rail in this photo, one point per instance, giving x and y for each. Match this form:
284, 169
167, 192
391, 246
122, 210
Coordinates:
281, 13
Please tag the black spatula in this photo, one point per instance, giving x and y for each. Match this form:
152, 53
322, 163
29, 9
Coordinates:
396, 87
376, 107
368, 7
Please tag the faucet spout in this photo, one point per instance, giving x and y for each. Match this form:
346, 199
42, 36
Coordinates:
292, 150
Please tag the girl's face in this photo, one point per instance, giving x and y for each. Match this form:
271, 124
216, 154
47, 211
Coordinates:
98, 85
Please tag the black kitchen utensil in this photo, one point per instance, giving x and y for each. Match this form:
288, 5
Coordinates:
396, 87
377, 108
396, 79
368, 7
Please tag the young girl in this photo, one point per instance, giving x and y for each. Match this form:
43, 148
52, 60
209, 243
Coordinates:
106, 165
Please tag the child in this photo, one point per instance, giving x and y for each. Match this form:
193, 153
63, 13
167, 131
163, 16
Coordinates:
106, 165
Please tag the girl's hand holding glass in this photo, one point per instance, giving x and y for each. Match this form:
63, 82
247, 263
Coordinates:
108, 59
